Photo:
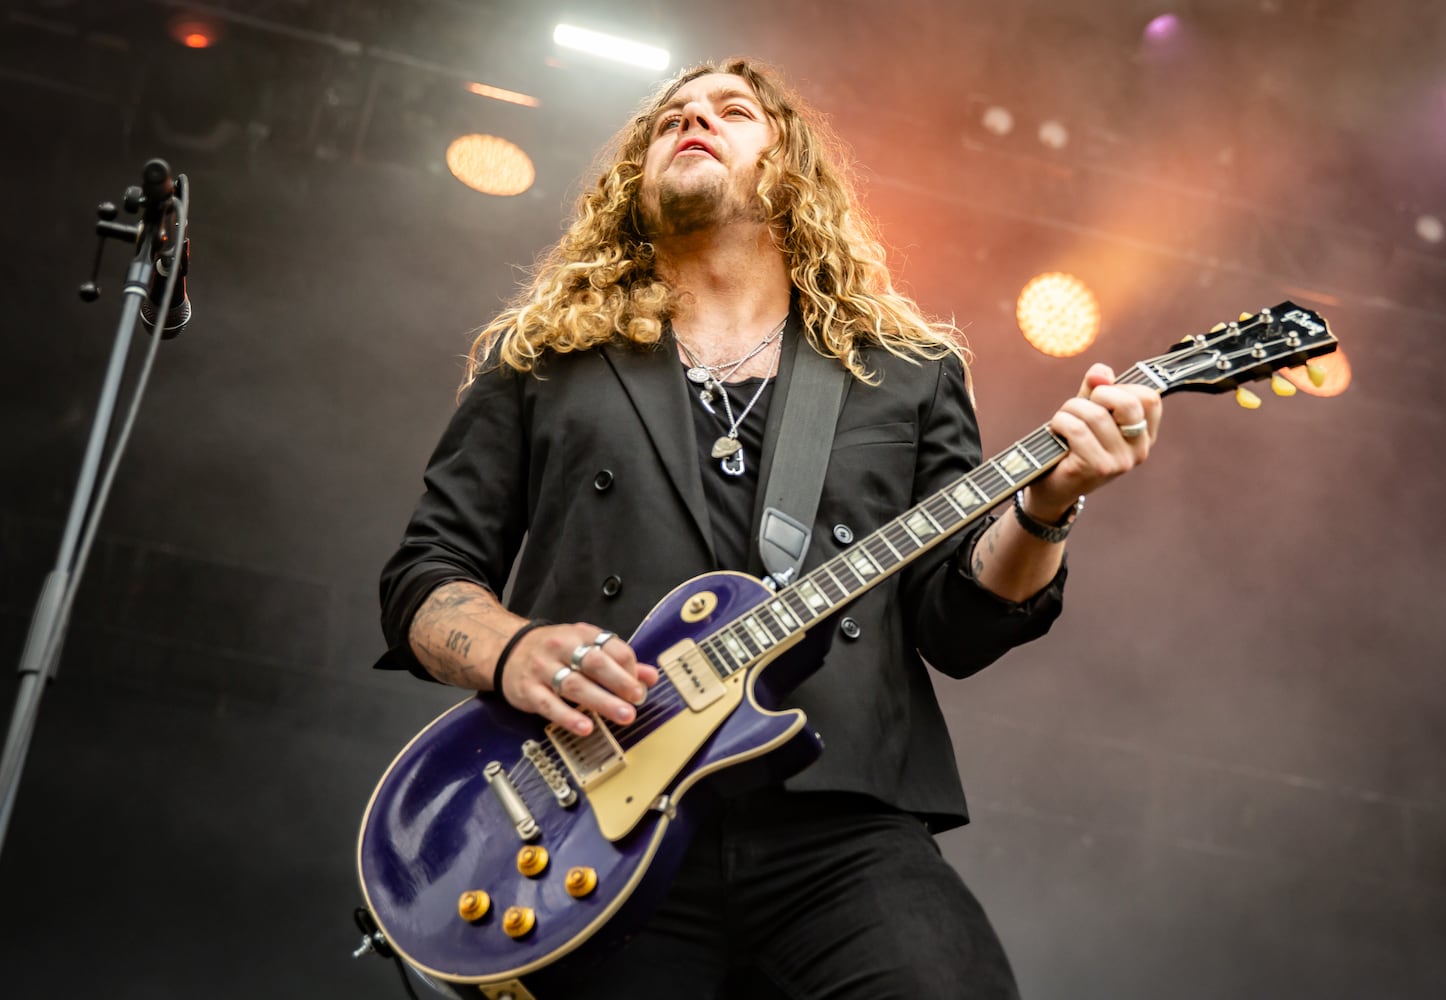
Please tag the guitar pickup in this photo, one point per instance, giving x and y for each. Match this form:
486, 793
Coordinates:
692, 675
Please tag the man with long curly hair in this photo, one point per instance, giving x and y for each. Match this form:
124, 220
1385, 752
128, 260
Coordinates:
619, 415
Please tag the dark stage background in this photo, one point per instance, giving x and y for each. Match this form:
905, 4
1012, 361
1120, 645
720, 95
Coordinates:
1220, 775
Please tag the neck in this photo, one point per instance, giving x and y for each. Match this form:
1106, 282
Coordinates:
730, 283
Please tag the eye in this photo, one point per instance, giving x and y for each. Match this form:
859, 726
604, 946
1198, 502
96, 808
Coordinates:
738, 110
668, 123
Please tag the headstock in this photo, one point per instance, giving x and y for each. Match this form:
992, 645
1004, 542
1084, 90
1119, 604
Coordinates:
1252, 348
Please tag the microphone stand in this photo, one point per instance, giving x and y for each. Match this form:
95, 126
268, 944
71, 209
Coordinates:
162, 201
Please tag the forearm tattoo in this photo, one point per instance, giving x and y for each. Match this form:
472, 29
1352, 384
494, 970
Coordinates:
444, 628
459, 642
988, 541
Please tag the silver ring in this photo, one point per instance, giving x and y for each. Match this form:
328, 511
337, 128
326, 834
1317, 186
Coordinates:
1134, 430
559, 677
579, 653
602, 639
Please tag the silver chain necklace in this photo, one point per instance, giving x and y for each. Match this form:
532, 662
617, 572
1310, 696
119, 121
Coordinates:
728, 448
703, 374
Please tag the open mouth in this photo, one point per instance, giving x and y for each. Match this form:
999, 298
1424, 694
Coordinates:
695, 145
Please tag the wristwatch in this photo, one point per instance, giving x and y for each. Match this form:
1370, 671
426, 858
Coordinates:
1045, 532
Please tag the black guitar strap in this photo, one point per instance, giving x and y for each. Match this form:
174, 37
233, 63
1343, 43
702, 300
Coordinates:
800, 458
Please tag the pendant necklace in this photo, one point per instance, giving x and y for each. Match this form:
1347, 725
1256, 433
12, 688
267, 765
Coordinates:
727, 447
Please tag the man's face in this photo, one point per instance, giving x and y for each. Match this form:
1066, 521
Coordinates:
701, 168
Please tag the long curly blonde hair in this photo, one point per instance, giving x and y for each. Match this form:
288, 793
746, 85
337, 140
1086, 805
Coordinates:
599, 283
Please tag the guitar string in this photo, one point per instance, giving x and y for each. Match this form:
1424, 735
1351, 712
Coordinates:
527, 776
896, 536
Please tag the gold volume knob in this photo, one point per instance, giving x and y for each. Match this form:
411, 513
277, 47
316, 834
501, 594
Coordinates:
518, 921
473, 905
580, 881
531, 861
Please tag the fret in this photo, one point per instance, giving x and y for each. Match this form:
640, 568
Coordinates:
949, 495
785, 616
1017, 463
967, 494
826, 571
938, 507
843, 562
861, 564
740, 633
811, 595
718, 653
998, 469
878, 553
795, 603
736, 649
880, 536
770, 621
921, 524
761, 638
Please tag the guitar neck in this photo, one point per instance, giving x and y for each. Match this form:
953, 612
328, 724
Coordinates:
874, 558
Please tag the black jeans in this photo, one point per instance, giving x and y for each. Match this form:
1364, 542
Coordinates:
810, 896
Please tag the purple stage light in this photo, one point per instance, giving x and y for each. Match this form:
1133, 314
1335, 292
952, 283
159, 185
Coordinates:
1162, 28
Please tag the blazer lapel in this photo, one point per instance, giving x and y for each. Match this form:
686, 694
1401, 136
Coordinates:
654, 383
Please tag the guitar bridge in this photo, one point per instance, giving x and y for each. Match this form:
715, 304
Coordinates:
551, 773
592, 758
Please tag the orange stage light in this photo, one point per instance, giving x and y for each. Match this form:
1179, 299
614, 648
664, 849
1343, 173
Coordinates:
1058, 314
195, 33
498, 94
491, 165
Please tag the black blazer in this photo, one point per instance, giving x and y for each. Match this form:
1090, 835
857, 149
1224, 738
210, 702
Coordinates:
593, 460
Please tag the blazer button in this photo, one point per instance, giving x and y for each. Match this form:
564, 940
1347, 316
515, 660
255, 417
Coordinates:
612, 586
602, 480
843, 534
850, 629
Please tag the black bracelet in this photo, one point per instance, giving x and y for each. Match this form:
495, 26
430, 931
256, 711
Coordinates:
1053, 533
507, 651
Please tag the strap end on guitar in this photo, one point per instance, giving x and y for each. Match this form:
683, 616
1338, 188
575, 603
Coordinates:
783, 543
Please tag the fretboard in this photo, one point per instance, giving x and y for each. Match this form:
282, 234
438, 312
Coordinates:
875, 557
872, 559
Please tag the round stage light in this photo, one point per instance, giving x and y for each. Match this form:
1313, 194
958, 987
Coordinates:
1058, 314
491, 165
1053, 134
195, 33
1337, 374
998, 120
1430, 228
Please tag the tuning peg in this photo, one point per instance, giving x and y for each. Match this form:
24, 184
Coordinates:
1244, 317
1281, 385
1247, 399
1217, 328
1316, 373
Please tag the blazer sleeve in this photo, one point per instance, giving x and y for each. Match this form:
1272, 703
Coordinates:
958, 626
470, 521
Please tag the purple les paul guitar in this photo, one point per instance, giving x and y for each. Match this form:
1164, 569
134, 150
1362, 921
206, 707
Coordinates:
497, 847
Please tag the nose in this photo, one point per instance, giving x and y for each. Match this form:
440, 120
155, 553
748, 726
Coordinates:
696, 113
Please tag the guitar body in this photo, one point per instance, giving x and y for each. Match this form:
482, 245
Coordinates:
437, 828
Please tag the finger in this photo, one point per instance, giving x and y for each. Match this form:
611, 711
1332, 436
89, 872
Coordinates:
1096, 376
1098, 452
639, 676
578, 688
554, 709
609, 673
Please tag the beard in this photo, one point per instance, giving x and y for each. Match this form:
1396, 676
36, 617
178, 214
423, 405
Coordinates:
676, 206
